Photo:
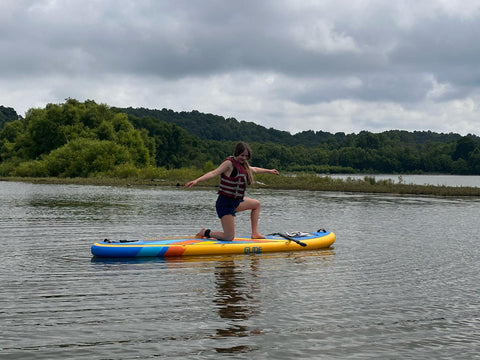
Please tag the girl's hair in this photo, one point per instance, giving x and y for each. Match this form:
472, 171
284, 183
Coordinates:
239, 149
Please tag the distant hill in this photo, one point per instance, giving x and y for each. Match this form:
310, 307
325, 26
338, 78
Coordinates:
215, 127
7, 114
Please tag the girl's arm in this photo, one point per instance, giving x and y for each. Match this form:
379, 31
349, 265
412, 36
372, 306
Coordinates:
224, 167
257, 170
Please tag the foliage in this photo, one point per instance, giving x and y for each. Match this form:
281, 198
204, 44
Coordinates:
7, 114
88, 139
393, 151
72, 139
86, 157
211, 127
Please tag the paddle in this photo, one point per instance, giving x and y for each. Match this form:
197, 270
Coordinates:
288, 237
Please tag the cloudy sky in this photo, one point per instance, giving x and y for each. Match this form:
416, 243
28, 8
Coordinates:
292, 65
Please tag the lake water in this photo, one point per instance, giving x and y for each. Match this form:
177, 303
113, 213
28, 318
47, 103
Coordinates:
437, 180
402, 280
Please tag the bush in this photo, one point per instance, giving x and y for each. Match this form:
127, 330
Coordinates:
84, 157
34, 168
151, 173
7, 168
124, 171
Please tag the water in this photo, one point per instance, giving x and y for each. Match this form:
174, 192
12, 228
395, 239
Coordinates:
436, 180
402, 280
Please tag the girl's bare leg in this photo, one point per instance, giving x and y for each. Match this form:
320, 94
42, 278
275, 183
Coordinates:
254, 205
228, 225
228, 233
228, 222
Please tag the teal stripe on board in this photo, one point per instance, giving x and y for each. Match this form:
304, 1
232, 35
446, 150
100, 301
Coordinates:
152, 251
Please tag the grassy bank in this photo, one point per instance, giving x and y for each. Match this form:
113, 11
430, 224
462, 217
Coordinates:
179, 177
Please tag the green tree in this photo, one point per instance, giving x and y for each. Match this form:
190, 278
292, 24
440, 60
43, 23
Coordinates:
7, 114
474, 161
465, 145
74, 139
367, 140
85, 157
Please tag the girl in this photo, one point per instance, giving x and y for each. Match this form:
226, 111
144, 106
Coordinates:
235, 173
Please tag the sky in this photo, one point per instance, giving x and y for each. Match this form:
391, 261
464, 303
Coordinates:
293, 65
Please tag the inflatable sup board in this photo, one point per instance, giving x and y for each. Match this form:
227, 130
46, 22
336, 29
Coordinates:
295, 241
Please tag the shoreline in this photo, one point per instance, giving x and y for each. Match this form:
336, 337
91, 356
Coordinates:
300, 182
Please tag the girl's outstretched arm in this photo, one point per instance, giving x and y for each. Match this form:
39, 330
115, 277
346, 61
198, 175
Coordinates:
224, 167
257, 170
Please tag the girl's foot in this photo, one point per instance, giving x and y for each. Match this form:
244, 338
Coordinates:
201, 233
258, 236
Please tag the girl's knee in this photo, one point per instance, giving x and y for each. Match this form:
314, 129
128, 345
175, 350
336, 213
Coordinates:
228, 236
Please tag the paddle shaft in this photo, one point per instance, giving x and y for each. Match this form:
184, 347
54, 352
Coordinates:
291, 239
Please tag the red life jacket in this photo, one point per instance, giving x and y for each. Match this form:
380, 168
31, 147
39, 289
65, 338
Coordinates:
234, 186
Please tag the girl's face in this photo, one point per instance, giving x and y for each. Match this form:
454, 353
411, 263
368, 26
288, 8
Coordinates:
243, 157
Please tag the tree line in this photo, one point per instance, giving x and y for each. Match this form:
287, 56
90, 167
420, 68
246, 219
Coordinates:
81, 139
393, 151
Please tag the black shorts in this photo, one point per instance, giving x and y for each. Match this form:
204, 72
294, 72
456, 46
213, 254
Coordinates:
226, 205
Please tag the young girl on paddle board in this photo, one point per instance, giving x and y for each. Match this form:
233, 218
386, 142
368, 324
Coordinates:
235, 173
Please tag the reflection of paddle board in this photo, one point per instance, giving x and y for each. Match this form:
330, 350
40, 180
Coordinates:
297, 241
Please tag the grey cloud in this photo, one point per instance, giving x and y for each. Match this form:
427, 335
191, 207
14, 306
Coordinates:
407, 88
374, 52
174, 40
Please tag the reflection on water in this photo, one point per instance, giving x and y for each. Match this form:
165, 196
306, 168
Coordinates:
235, 301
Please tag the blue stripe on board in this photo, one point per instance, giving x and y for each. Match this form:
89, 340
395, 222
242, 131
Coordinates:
115, 251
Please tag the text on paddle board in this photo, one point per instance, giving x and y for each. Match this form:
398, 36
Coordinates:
252, 250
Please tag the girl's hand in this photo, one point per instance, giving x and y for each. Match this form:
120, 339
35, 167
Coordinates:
274, 171
190, 183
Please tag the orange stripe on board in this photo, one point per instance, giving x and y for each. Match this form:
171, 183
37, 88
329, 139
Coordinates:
188, 242
174, 251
